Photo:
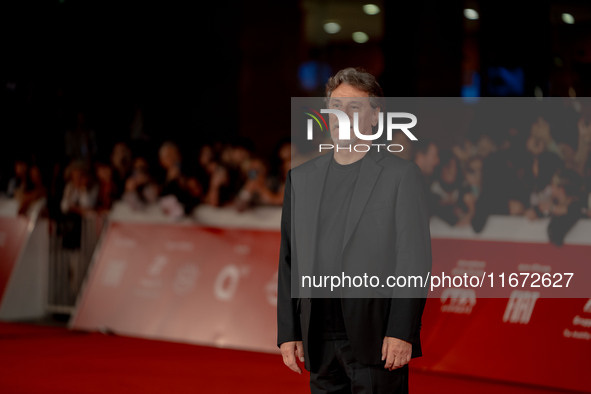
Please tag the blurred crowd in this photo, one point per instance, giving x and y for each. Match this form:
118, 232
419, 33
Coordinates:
223, 174
536, 172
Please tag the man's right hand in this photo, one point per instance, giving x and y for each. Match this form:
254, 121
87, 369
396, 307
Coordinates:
291, 351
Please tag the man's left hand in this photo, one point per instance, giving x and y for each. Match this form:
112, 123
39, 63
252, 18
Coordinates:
396, 352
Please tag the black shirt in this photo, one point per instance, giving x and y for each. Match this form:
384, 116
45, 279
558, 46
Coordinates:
327, 314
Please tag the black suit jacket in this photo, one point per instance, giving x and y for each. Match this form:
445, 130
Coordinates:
387, 231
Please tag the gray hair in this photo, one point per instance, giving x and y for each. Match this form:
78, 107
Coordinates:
360, 79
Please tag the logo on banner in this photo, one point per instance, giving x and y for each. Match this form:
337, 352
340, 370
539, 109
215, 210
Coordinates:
158, 264
581, 325
520, 306
460, 301
113, 273
227, 281
185, 280
271, 289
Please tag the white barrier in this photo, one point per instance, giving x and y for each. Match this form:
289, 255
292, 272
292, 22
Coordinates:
8, 207
25, 295
498, 228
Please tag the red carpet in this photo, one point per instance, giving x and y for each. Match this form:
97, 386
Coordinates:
40, 359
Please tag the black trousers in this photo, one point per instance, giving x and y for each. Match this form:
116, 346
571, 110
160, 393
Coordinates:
340, 373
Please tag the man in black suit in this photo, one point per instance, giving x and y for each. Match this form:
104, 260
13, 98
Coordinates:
350, 213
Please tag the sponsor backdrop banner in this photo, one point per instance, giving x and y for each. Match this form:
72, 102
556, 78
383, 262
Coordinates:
184, 283
218, 287
515, 338
13, 233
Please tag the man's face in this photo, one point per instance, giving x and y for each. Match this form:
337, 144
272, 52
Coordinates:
351, 100
449, 172
77, 177
568, 152
104, 173
20, 168
535, 145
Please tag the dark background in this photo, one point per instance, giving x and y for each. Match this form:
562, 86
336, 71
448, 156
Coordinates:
209, 71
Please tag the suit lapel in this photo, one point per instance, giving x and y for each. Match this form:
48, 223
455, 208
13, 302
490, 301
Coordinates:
314, 188
368, 175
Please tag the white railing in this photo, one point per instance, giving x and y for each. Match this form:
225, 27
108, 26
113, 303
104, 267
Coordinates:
498, 227
71, 247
